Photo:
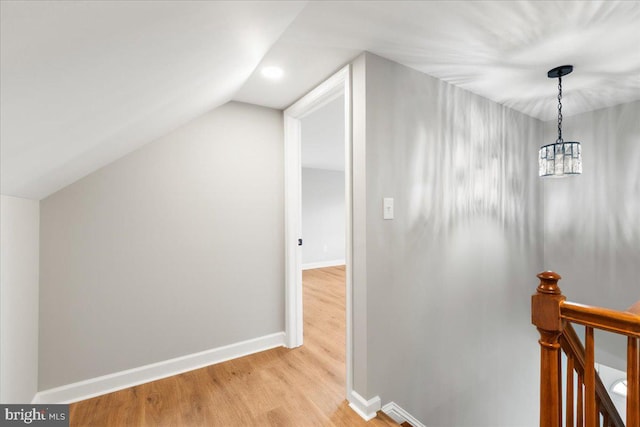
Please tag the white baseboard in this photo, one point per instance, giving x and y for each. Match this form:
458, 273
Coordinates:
120, 380
399, 415
323, 264
367, 409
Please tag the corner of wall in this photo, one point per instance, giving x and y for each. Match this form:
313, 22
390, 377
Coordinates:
367, 409
19, 299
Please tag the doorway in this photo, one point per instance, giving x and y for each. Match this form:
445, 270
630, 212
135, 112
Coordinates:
337, 86
323, 187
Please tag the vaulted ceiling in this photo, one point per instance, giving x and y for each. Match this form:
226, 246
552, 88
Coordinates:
84, 83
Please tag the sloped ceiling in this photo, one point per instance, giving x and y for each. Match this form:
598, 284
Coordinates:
84, 83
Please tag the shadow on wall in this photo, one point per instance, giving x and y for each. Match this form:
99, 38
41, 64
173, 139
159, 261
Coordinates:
479, 165
592, 223
450, 278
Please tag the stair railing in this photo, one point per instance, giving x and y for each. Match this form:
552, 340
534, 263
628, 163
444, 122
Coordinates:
589, 404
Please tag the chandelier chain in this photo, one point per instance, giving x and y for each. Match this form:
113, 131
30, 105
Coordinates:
559, 141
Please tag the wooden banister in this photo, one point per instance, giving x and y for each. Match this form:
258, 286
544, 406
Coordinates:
552, 314
575, 351
619, 322
545, 315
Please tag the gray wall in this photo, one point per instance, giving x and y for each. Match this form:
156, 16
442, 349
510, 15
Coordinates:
323, 216
323, 137
448, 281
592, 222
174, 249
19, 243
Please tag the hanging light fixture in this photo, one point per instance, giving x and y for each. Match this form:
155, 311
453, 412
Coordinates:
560, 158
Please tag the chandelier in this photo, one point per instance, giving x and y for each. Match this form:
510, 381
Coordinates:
560, 158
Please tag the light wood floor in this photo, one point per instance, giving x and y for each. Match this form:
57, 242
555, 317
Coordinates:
280, 387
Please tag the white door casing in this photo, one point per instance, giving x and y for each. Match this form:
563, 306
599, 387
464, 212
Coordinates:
329, 90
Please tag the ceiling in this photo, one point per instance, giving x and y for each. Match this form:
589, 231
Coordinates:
84, 83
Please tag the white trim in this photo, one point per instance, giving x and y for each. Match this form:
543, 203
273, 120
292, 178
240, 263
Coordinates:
292, 230
348, 191
399, 415
326, 92
367, 409
322, 95
329, 90
323, 264
120, 380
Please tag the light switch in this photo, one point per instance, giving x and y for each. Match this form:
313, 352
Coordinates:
387, 208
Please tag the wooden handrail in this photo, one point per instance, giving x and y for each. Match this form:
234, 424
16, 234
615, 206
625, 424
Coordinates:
619, 322
551, 313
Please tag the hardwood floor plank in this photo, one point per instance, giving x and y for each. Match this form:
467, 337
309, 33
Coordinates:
279, 387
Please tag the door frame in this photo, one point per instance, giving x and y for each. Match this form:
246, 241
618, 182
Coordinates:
329, 90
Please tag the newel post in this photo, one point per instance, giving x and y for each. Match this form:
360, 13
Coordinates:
545, 315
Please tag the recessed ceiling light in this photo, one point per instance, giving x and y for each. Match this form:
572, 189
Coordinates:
620, 388
272, 72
